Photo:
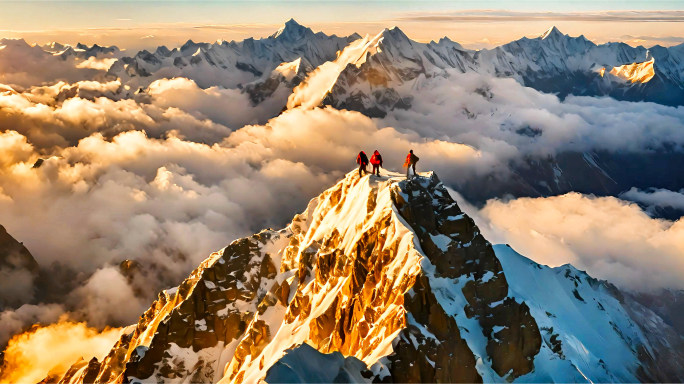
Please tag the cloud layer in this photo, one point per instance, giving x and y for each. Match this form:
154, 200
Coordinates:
507, 121
610, 238
656, 197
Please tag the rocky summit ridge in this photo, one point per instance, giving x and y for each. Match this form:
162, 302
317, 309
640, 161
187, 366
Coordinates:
382, 279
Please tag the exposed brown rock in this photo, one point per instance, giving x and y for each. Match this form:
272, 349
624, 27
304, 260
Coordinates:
430, 211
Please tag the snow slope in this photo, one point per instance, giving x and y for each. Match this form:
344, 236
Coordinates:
588, 335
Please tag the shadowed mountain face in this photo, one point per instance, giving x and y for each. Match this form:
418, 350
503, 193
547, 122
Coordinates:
18, 269
386, 280
601, 173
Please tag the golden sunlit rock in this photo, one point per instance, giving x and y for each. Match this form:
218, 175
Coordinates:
635, 72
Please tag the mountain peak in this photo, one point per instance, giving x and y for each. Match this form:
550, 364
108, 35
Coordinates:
395, 32
551, 33
366, 252
292, 30
394, 35
12, 42
188, 45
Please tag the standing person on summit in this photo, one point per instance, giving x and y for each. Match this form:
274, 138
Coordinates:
362, 161
411, 161
376, 162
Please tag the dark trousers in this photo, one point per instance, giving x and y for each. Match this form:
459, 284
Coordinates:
362, 168
409, 167
376, 169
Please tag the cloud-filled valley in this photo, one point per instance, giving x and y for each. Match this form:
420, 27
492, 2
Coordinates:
97, 169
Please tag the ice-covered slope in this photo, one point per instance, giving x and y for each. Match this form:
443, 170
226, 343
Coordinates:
590, 330
635, 72
350, 275
380, 279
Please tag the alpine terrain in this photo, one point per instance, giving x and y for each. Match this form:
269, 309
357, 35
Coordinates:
383, 279
385, 75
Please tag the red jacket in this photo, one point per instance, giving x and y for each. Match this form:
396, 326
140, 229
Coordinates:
410, 160
376, 159
362, 158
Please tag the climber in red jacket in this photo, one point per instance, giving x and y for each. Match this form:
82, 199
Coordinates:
410, 162
362, 161
376, 162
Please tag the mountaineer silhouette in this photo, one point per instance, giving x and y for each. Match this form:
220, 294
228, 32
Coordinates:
376, 162
362, 161
410, 162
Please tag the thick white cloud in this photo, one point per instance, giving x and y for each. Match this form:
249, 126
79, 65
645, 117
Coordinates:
656, 197
16, 321
502, 118
23, 65
610, 238
229, 107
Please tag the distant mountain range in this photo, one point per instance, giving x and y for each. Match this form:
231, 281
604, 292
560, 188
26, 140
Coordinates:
552, 62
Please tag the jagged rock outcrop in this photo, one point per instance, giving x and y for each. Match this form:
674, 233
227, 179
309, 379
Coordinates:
380, 280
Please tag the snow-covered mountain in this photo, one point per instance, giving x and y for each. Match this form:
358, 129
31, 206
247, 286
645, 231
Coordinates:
552, 62
81, 50
23, 65
233, 64
387, 280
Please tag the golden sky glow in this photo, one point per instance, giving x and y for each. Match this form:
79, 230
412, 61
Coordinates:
136, 25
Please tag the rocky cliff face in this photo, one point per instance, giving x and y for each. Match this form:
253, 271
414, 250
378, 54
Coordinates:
379, 280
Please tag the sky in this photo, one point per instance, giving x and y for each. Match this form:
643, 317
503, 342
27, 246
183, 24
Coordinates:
475, 24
